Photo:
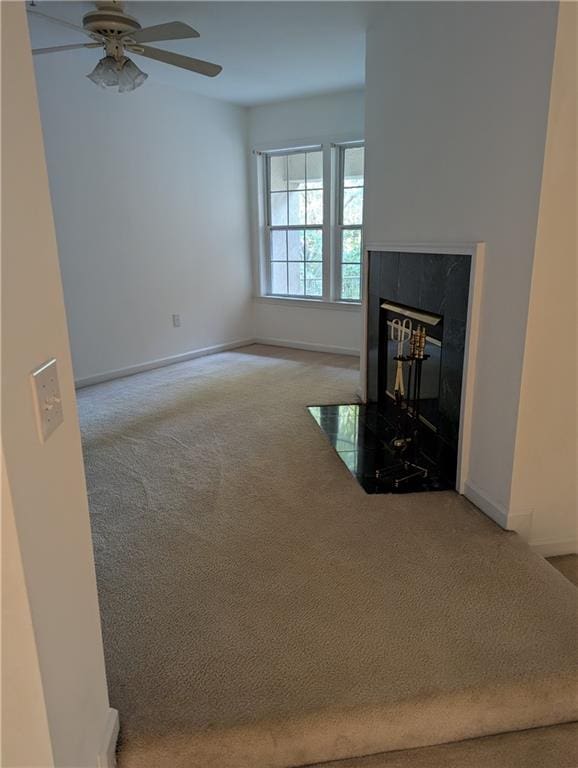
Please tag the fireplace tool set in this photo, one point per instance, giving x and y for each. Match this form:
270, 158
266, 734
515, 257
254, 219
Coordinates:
404, 444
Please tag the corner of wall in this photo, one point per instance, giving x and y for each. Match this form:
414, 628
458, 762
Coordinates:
63, 658
25, 731
107, 754
544, 466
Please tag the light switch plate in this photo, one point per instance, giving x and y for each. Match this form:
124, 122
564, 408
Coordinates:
46, 391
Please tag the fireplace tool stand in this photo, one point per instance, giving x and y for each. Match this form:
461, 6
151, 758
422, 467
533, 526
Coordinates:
405, 443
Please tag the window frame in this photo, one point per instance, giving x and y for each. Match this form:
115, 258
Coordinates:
340, 227
333, 154
269, 228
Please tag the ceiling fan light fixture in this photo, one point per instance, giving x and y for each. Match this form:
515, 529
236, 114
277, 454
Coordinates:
130, 76
105, 74
117, 32
123, 74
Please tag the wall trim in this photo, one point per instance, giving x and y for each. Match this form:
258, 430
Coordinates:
292, 303
327, 138
161, 362
205, 351
494, 510
107, 755
553, 548
519, 522
458, 248
308, 347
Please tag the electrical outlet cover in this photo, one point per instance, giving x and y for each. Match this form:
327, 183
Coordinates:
47, 399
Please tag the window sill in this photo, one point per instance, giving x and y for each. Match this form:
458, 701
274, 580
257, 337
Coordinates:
289, 301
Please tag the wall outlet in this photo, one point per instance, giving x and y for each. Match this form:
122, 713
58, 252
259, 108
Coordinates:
47, 401
176, 321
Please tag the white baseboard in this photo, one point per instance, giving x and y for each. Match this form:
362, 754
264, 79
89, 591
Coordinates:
491, 508
160, 363
308, 347
520, 522
107, 755
119, 373
553, 548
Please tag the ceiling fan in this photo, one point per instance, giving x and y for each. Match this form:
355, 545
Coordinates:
112, 29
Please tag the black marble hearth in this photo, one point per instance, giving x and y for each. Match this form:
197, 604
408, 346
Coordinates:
361, 436
432, 290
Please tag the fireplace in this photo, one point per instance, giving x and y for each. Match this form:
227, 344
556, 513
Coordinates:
405, 437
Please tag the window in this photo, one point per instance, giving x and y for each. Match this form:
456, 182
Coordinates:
350, 223
295, 205
313, 227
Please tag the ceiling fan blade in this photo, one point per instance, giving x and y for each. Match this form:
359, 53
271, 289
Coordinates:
63, 23
177, 60
56, 48
174, 30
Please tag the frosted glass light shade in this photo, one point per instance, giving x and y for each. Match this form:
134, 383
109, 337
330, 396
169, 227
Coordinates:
124, 74
105, 73
130, 77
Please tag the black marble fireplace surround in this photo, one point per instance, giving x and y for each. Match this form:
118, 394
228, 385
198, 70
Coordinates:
362, 434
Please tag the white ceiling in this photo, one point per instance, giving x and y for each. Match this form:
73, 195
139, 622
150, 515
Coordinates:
269, 51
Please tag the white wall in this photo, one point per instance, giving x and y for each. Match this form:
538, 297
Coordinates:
325, 116
311, 120
149, 191
53, 652
25, 733
544, 480
456, 111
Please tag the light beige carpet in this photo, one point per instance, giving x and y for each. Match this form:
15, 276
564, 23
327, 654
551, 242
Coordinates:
567, 565
553, 747
261, 611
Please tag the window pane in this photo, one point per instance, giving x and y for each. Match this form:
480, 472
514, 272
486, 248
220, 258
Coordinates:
353, 167
314, 287
278, 173
314, 245
278, 277
315, 207
352, 206
297, 171
351, 245
350, 289
314, 270
279, 209
296, 278
351, 270
314, 170
278, 245
296, 244
296, 207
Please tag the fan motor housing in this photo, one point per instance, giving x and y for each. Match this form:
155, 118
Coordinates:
109, 20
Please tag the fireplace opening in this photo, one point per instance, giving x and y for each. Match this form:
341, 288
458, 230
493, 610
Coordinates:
405, 436
410, 354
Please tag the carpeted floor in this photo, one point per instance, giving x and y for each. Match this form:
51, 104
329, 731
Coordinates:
261, 611
567, 565
552, 747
